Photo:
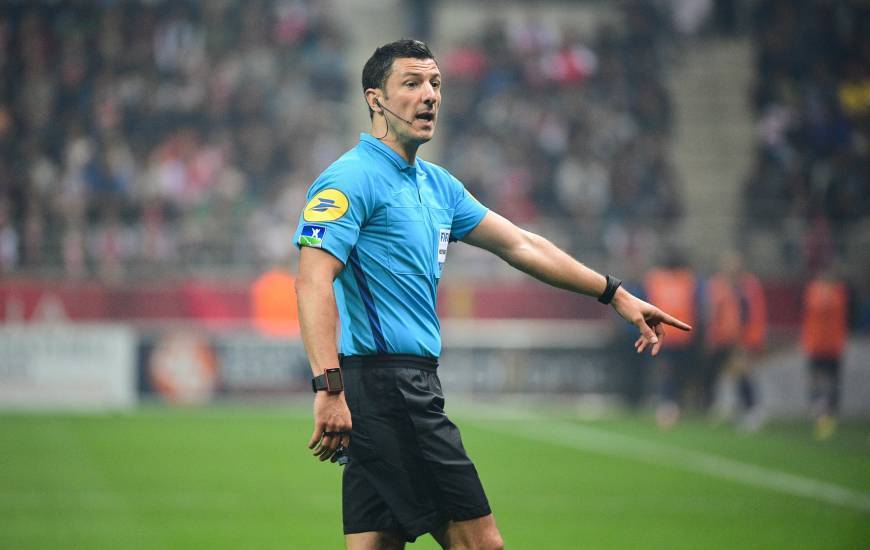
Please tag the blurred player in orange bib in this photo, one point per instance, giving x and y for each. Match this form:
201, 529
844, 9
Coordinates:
824, 334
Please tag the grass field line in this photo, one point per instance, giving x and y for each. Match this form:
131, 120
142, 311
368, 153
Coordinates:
585, 438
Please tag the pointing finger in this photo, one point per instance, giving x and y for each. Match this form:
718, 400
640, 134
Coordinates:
674, 322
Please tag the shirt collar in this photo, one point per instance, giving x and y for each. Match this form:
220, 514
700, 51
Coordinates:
397, 159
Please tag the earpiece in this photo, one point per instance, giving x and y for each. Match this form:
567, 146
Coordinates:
383, 108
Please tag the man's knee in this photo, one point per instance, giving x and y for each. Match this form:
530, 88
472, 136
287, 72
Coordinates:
477, 534
487, 541
375, 540
492, 541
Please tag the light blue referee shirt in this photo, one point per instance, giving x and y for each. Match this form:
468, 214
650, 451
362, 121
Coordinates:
390, 223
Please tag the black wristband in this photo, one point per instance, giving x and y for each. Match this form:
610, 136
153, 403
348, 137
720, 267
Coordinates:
610, 290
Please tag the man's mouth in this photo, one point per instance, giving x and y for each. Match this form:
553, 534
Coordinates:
427, 116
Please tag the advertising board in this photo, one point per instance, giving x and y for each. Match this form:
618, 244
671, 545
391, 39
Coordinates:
67, 366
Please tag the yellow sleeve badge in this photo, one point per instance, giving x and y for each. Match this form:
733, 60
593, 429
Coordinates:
326, 206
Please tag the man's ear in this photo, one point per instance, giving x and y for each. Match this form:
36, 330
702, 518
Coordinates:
372, 95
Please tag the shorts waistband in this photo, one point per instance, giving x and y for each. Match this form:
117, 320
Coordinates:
394, 360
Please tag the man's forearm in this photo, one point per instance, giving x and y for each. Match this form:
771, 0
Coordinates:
318, 318
546, 262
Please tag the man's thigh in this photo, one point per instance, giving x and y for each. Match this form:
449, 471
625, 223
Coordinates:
473, 534
374, 540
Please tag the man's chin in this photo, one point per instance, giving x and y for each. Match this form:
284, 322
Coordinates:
419, 138
424, 128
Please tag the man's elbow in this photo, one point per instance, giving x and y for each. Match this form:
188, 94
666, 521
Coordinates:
306, 282
299, 285
314, 280
521, 249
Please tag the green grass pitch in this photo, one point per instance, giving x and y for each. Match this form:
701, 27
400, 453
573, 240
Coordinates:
241, 477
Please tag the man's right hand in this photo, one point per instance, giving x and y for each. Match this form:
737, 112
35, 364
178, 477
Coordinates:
332, 425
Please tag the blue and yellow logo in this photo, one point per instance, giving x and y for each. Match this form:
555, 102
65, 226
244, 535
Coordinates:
312, 235
326, 206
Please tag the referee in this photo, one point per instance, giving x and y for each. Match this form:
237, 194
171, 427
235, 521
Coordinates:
373, 239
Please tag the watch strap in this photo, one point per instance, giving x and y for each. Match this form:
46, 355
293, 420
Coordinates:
318, 383
610, 289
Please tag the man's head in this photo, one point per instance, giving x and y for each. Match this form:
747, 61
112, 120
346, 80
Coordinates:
401, 81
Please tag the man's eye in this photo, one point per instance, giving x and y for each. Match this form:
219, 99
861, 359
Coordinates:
436, 84
411, 84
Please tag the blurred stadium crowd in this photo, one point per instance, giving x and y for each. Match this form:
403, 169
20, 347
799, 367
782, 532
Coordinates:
810, 182
548, 128
158, 136
145, 136
149, 137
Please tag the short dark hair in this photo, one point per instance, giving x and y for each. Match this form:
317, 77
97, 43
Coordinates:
377, 69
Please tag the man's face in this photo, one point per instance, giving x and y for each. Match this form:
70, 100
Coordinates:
413, 91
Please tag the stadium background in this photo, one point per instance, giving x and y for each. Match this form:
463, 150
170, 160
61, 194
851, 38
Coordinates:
154, 157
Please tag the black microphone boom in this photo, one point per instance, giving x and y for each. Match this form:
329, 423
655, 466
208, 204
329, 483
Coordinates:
382, 106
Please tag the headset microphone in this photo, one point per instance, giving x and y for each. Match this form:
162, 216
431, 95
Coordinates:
381, 105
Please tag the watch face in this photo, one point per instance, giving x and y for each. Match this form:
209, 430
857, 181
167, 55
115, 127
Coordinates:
333, 380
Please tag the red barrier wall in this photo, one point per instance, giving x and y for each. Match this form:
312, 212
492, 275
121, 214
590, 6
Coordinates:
222, 301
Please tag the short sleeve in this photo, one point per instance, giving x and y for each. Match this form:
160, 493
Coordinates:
338, 204
467, 212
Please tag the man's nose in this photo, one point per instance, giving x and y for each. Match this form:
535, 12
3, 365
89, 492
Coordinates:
429, 95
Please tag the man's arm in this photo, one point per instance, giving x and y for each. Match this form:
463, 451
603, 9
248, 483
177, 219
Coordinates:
543, 260
318, 318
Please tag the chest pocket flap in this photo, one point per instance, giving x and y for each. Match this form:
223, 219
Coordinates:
411, 243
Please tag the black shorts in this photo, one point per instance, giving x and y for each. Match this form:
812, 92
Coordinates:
827, 365
407, 470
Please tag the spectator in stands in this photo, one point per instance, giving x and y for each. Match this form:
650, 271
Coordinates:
8, 240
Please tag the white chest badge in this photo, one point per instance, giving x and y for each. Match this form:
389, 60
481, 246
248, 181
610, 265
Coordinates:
443, 241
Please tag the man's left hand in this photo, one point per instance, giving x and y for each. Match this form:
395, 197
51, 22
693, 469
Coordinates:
647, 318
